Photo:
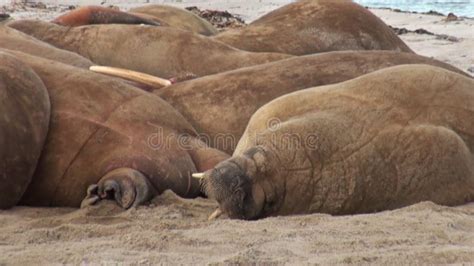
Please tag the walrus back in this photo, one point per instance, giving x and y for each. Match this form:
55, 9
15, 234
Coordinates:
101, 15
177, 18
16, 40
315, 26
244, 91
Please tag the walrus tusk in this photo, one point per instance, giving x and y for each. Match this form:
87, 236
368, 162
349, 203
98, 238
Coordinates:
139, 77
216, 214
198, 175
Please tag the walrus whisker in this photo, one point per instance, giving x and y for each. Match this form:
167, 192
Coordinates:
139, 77
216, 214
198, 175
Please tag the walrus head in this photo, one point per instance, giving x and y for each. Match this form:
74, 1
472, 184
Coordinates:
234, 186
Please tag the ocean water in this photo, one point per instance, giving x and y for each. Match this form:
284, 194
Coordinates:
458, 7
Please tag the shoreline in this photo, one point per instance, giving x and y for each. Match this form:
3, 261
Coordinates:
431, 12
448, 41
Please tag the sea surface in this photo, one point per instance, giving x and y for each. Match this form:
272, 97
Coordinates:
458, 7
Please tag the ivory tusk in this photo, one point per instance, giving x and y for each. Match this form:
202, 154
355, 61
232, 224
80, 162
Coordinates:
198, 175
216, 214
139, 77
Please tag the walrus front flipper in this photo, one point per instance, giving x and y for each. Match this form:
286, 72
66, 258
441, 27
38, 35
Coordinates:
101, 15
128, 187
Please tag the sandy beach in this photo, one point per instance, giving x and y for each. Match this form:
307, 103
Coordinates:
172, 230
457, 51
176, 231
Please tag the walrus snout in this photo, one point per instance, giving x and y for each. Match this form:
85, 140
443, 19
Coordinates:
231, 186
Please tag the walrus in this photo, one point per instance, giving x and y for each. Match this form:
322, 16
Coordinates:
163, 51
88, 15
24, 120
129, 145
19, 41
315, 26
177, 18
155, 15
15, 40
385, 140
219, 106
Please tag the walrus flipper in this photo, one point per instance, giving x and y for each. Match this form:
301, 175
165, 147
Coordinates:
128, 187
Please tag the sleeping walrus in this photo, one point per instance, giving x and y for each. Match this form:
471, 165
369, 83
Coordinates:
88, 15
385, 140
231, 98
19, 41
24, 120
12, 39
103, 131
315, 26
155, 15
160, 51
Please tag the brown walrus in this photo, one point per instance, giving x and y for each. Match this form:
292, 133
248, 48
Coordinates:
233, 97
160, 51
103, 131
101, 15
24, 120
177, 18
315, 26
155, 15
18, 41
385, 140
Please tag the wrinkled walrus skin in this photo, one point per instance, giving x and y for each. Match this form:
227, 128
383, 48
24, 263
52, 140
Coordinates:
382, 141
24, 120
159, 51
177, 18
15, 40
103, 131
315, 26
89, 15
231, 98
